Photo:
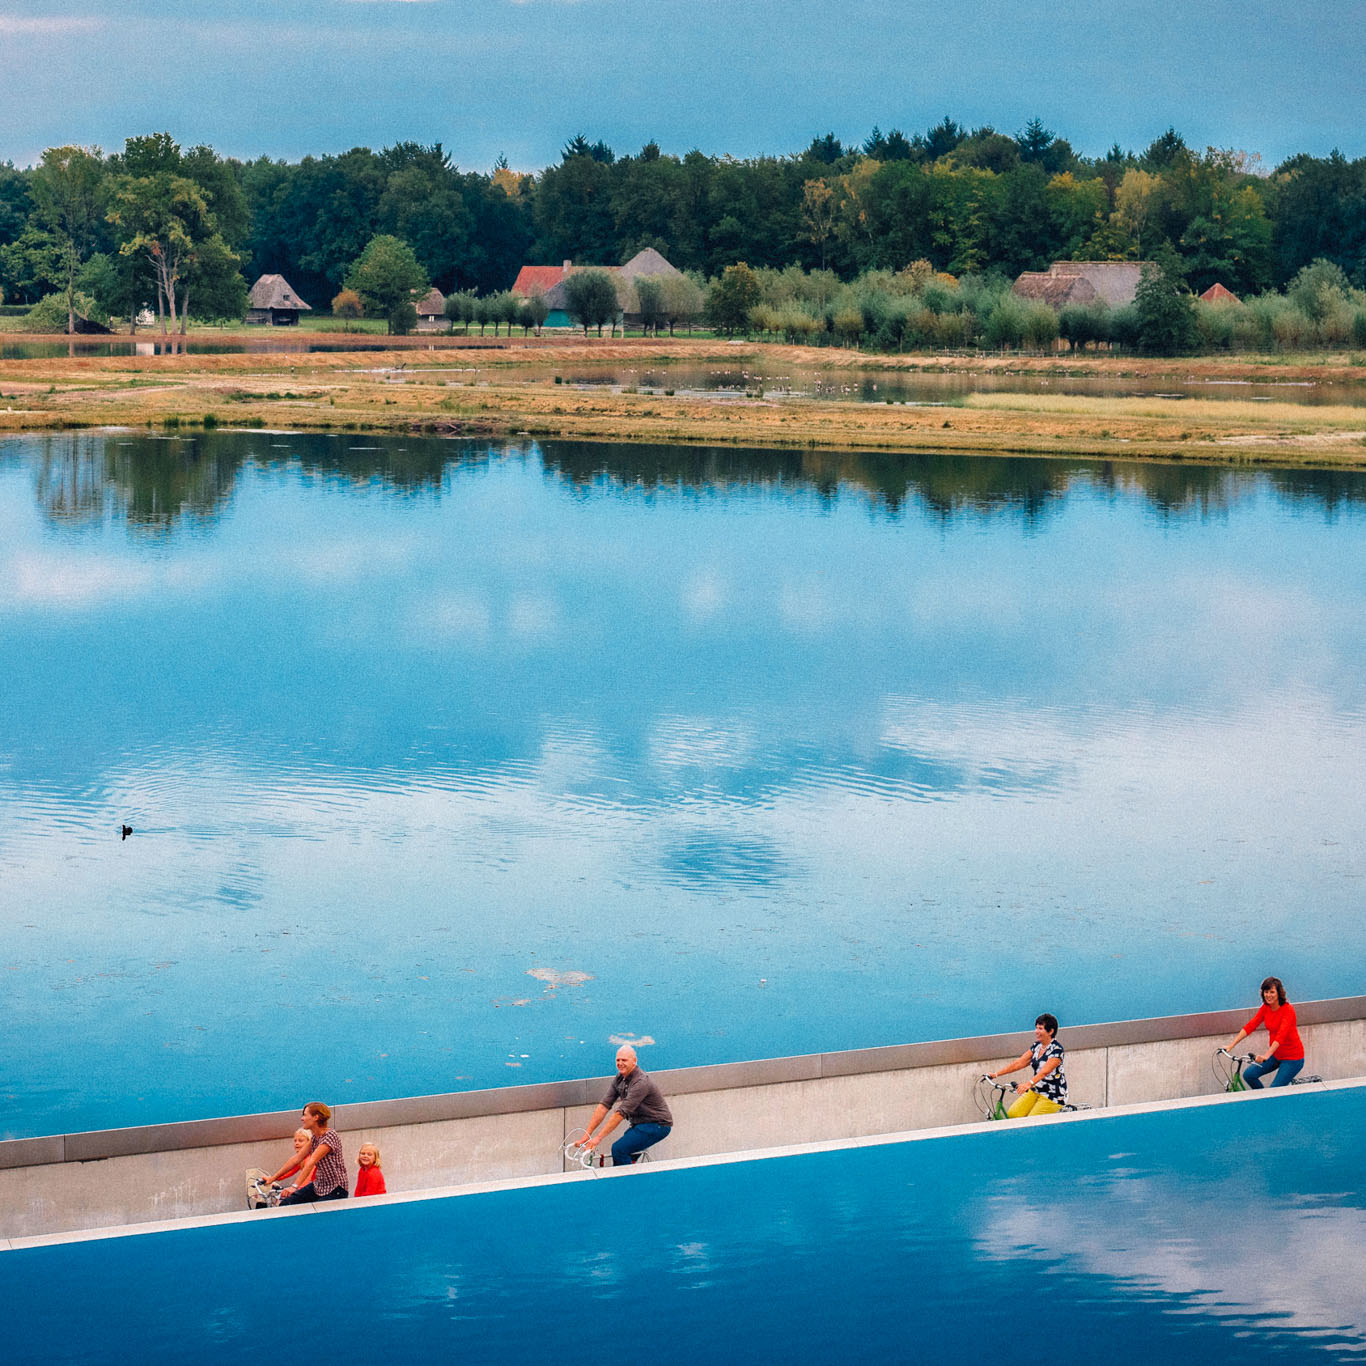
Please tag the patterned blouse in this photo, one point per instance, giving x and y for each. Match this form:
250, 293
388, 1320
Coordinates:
1054, 1085
331, 1169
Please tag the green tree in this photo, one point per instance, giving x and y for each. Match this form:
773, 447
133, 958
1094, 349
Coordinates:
591, 298
536, 310
509, 308
1321, 212
649, 296
731, 297
165, 219
386, 274
1164, 313
184, 215
31, 267
68, 190
460, 308
680, 302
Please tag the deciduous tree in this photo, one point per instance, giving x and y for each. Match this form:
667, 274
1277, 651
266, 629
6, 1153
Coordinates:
591, 298
731, 297
386, 274
68, 189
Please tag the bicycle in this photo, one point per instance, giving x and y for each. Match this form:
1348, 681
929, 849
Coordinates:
590, 1159
995, 1107
262, 1193
1228, 1071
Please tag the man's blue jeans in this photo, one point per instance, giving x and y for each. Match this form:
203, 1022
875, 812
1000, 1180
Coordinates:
1286, 1072
635, 1140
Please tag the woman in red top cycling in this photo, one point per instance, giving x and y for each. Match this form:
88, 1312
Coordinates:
1285, 1055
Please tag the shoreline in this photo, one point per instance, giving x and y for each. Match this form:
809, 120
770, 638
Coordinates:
410, 388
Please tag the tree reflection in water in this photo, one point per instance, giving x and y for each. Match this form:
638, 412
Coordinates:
160, 482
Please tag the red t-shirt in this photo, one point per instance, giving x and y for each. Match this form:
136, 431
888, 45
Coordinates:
1280, 1024
369, 1181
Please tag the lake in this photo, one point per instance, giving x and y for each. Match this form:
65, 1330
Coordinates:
1215, 1235
450, 763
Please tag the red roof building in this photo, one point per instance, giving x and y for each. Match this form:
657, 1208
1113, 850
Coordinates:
538, 279
1217, 294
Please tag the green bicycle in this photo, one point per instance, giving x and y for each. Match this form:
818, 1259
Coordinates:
1228, 1071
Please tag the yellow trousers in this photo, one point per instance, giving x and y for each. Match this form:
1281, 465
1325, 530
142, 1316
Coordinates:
1032, 1103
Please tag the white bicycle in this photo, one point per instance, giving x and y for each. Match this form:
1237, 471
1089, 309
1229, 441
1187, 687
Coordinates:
590, 1159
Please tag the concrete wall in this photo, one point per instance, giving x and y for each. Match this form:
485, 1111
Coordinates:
117, 1177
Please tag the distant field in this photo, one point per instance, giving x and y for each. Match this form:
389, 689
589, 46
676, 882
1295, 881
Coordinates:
411, 388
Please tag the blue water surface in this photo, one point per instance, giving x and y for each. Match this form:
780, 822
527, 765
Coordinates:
451, 763
1224, 1234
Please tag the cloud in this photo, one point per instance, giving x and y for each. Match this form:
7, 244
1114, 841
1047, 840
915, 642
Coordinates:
12, 26
52, 580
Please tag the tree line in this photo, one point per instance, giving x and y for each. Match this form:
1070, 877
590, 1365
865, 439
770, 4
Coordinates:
183, 230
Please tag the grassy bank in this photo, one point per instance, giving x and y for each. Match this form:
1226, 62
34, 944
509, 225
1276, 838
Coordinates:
415, 386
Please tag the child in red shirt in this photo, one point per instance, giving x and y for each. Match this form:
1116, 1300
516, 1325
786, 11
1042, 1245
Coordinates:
369, 1179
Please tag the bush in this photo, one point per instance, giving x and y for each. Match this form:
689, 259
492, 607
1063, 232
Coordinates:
1214, 325
1040, 326
1079, 324
1005, 324
1335, 323
848, 324
49, 313
1318, 289
348, 304
403, 318
1124, 327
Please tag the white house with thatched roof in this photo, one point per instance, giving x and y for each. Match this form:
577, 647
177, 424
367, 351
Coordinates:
1113, 283
431, 312
272, 302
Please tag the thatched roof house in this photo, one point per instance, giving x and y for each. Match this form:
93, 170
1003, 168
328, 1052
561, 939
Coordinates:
1217, 294
431, 312
273, 302
1113, 283
548, 281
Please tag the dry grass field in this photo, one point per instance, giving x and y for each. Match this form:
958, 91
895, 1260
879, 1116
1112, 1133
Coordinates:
413, 385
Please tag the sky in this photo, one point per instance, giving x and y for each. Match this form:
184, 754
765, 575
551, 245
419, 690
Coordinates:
289, 78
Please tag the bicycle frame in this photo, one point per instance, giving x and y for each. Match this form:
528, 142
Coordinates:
1230, 1072
993, 1106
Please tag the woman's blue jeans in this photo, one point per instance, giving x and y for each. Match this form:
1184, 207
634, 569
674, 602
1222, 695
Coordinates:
1286, 1072
308, 1195
635, 1140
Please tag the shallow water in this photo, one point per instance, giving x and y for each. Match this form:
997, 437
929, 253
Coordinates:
774, 381
451, 763
1219, 1235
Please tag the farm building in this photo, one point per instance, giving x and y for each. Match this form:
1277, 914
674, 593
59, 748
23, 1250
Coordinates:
431, 312
1113, 283
273, 303
548, 281
1218, 294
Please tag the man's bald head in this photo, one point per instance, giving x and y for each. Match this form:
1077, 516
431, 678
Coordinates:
626, 1059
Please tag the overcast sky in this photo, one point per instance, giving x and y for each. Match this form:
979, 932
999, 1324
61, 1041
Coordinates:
286, 78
